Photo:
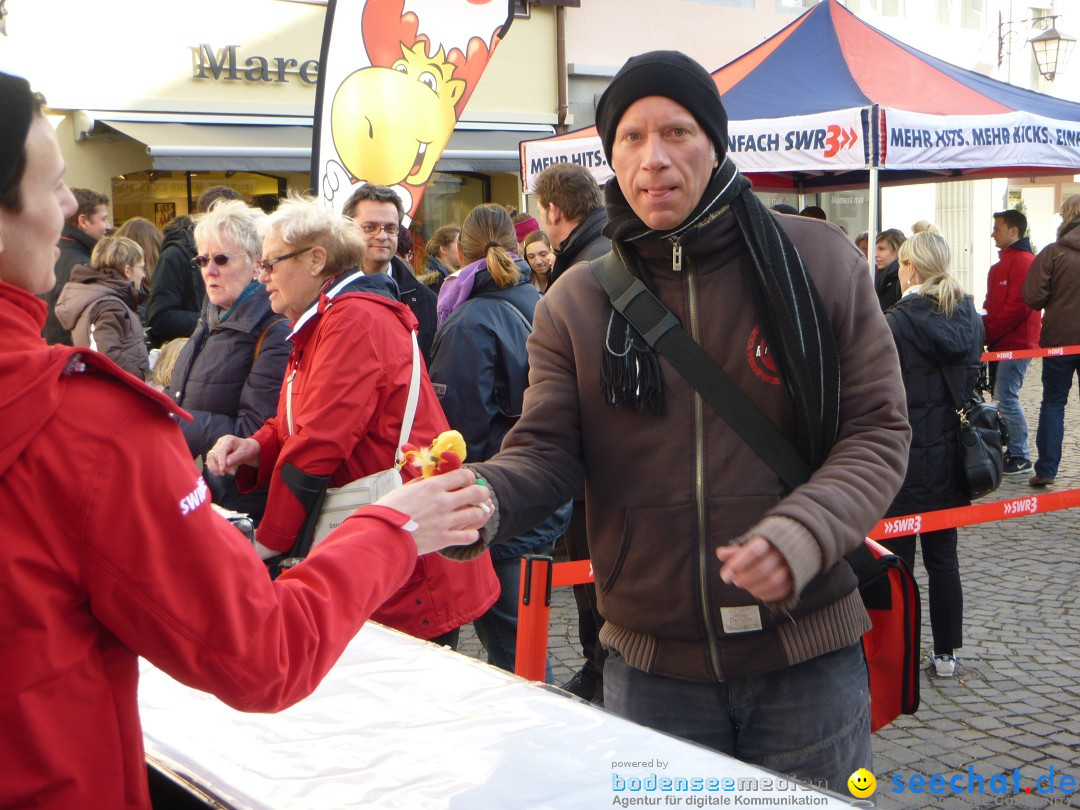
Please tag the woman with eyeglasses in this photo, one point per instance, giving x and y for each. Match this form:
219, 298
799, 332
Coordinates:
228, 375
99, 305
340, 413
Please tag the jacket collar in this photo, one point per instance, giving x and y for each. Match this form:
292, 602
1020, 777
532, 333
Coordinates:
350, 282
72, 235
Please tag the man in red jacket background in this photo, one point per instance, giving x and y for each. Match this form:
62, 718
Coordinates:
1011, 324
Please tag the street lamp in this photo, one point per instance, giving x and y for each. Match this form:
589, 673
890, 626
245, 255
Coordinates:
1052, 49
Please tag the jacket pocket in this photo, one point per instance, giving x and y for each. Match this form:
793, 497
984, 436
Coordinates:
648, 583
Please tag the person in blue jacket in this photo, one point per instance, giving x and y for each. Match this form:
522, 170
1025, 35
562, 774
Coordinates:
480, 369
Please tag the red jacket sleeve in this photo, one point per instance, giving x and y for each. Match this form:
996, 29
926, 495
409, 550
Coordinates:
334, 398
1006, 310
179, 586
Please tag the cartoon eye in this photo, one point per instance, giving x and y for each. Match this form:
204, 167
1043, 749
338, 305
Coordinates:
430, 80
401, 67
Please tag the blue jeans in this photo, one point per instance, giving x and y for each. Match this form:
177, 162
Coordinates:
1057, 376
811, 721
497, 629
1007, 384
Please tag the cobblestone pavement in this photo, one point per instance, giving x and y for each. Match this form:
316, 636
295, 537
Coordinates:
1015, 700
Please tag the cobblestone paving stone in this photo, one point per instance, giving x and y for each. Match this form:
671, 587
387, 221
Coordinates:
1015, 699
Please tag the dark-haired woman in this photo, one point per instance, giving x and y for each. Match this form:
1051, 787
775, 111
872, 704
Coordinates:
481, 368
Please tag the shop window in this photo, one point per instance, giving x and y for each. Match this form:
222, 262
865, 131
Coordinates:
159, 195
449, 197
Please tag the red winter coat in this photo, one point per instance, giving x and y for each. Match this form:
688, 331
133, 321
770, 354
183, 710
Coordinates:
111, 551
352, 360
1009, 322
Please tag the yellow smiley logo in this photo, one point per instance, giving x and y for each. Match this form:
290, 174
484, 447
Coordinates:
861, 783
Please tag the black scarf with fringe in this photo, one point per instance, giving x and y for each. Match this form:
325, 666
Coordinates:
792, 316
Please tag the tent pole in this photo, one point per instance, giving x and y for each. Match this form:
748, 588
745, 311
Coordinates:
871, 231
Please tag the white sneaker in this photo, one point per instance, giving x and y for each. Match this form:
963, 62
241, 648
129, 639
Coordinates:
944, 665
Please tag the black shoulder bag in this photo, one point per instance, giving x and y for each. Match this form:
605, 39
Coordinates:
882, 576
980, 433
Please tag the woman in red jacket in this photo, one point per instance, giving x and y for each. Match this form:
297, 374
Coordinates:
340, 412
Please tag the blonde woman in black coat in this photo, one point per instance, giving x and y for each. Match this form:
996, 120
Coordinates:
939, 337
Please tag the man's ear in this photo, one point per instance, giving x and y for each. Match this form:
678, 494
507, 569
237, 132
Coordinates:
81, 222
555, 214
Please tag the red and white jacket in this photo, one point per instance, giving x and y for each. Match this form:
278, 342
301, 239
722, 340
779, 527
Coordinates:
352, 360
111, 551
1009, 322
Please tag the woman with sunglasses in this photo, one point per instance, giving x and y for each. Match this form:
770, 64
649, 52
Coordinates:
340, 413
228, 375
100, 304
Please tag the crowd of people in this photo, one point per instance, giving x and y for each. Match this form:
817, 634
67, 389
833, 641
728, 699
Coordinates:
283, 348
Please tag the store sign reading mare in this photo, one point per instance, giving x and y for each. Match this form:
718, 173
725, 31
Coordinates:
225, 64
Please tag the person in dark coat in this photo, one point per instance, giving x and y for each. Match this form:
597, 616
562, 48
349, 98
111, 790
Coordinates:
939, 337
81, 232
177, 292
480, 369
379, 213
228, 375
573, 216
887, 282
176, 288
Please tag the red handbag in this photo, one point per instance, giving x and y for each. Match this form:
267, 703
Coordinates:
891, 646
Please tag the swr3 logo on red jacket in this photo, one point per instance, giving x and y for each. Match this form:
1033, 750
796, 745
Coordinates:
196, 498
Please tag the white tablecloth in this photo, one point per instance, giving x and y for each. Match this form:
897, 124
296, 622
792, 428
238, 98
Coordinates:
400, 723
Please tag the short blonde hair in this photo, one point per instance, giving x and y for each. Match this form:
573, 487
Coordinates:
233, 221
302, 221
162, 374
113, 253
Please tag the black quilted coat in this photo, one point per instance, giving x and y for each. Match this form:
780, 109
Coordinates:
931, 345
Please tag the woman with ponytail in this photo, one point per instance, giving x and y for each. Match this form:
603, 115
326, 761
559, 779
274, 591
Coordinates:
939, 337
480, 368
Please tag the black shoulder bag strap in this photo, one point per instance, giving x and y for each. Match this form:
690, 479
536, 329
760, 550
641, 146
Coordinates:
662, 330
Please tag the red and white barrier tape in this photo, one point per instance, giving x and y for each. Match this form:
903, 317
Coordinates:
577, 573
976, 513
1024, 354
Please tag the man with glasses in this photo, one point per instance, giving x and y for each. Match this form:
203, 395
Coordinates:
379, 212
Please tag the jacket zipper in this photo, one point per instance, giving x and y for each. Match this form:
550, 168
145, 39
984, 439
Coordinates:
699, 476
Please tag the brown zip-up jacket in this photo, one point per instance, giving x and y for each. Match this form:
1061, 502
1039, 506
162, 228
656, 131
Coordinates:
664, 491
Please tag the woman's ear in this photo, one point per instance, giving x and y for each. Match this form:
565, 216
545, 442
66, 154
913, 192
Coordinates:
318, 260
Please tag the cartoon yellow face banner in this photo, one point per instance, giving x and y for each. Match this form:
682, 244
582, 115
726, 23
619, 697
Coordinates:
394, 78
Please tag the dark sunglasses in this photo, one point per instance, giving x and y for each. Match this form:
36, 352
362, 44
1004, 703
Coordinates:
220, 259
267, 265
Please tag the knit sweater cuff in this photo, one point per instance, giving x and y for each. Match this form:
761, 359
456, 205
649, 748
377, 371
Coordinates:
487, 534
795, 542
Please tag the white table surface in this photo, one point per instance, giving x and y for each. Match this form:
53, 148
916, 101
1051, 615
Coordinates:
400, 723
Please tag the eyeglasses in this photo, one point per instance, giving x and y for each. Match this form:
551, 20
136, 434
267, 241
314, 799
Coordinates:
267, 265
372, 228
220, 259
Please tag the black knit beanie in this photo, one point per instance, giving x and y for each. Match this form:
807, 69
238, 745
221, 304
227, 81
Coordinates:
16, 113
663, 73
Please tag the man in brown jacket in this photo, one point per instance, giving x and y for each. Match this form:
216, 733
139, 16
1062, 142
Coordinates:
731, 617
